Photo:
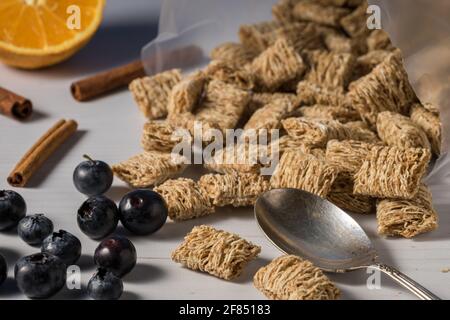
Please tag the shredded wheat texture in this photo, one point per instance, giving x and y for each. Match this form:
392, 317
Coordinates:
292, 278
185, 96
149, 168
184, 199
236, 189
407, 218
390, 172
219, 253
310, 93
305, 172
152, 93
430, 123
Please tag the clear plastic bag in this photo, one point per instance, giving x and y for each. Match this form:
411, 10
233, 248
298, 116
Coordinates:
189, 29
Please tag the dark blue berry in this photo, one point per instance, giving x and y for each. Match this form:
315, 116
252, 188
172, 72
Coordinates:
3, 269
104, 285
12, 209
98, 217
143, 212
93, 177
34, 229
40, 275
64, 245
116, 254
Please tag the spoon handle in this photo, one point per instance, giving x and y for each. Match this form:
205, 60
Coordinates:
406, 281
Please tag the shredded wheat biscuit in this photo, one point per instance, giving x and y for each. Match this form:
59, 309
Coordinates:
319, 132
217, 252
386, 88
235, 53
430, 123
236, 189
330, 69
304, 171
366, 63
342, 114
223, 106
310, 93
184, 199
302, 36
185, 96
288, 143
348, 155
230, 73
407, 218
254, 36
283, 11
260, 100
310, 10
159, 136
390, 172
277, 65
338, 42
399, 131
292, 278
269, 117
149, 168
152, 93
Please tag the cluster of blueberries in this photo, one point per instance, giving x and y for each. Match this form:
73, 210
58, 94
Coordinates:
41, 275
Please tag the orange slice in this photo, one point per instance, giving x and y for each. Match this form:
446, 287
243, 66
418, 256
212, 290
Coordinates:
40, 33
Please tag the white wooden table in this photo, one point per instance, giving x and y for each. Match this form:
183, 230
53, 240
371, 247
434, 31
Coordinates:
109, 129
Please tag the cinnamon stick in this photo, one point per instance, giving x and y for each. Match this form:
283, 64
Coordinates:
40, 151
14, 105
104, 82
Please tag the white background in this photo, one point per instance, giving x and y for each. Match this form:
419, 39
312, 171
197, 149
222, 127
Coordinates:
109, 129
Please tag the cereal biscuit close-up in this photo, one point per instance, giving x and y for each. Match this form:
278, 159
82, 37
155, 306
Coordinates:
161, 136
217, 252
186, 95
407, 218
310, 93
342, 114
310, 10
430, 123
391, 172
347, 155
184, 199
293, 278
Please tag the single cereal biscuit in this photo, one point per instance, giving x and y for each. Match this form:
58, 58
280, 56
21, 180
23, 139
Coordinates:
293, 278
348, 155
223, 105
254, 36
269, 117
184, 199
319, 132
366, 63
231, 73
407, 218
310, 93
219, 253
304, 171
309, 10
152, 93
390, 172
236, 189
330, 69
149, 168
260, 100
161, 136
185, 96
399, 131
386, 88
338, 42
430, 123
342, 114
235, 53
287, 143
277, 65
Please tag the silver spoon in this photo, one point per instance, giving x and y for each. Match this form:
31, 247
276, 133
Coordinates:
308, 226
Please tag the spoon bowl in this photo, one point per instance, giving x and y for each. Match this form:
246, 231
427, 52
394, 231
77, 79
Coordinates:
308, 226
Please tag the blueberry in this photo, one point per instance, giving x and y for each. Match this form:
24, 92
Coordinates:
40, 275
12, 209
34, 229
143, 212
116, 254
92, 177
98, 217
3, 269
64, 245
104, 285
